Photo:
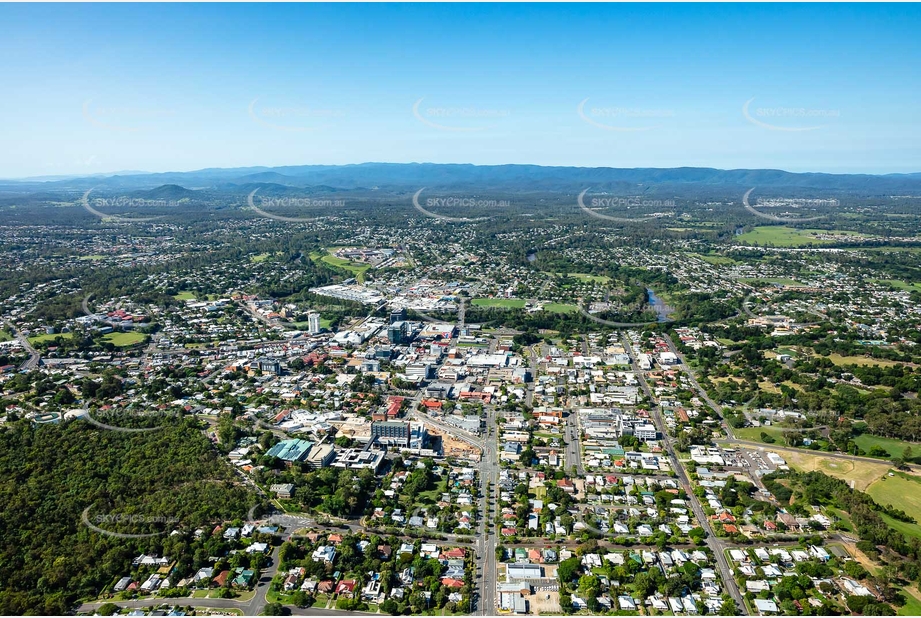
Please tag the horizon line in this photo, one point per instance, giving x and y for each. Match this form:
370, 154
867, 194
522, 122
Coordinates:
112, 174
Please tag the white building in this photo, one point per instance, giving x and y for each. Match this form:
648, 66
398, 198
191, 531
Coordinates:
313, 323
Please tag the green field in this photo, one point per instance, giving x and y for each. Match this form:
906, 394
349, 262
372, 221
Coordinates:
123, 340
262, 257
715, 260
584, 277
900, 285
324, 323
358, 270
895, 448
846, 524
754, 433
503, 303
560, 308
185, 296
47, 338
774, 280
860, 360
92, 258
902, 492
903, 526
5, 336
783, 236
912, 605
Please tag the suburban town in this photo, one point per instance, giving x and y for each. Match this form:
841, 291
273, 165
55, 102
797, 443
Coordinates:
502, 309
429, 431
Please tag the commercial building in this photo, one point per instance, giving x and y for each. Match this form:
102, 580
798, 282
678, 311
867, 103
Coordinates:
400, 434
291, 450
397, 332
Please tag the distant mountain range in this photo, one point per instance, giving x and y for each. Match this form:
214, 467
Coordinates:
404, 177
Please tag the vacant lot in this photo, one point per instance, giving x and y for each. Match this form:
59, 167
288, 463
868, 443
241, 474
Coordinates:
544, 602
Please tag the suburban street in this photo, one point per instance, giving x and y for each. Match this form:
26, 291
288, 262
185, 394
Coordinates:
34, 357
715, 544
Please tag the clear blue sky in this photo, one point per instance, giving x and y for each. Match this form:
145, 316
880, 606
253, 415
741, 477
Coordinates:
99, 88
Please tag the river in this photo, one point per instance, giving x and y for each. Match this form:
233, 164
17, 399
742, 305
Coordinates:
662, 310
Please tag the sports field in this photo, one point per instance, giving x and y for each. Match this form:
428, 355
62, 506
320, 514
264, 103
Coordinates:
502, 303
123, 340
901, 491
560, 308
862, 473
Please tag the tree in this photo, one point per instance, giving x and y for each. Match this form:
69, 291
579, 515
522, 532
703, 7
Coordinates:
276, 609
107, 609
391, 607
568, 569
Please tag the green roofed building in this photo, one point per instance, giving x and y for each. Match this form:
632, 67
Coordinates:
291, 450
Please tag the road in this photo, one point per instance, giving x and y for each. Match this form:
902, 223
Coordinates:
683, 367
486, 544
713, 542
573, 443
34, 357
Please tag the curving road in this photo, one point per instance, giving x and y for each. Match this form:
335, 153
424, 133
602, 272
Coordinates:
34, 356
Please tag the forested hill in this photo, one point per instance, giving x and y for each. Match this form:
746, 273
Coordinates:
171, 479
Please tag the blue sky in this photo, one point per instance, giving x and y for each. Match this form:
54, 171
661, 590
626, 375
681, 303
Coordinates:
99, 88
